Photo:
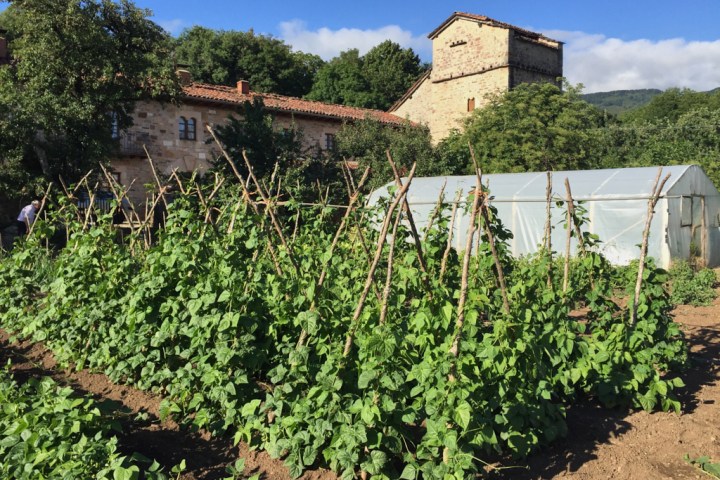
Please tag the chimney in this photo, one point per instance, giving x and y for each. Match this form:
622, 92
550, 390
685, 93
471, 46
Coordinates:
184, 76
243, 87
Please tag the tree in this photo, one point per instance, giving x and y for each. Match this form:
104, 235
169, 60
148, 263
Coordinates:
375, 80
78, 68
389, 71
367, 142
672, 104
533, 127
252, 131
226, 56
342, 81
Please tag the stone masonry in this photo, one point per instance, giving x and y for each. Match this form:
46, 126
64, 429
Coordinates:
475, 56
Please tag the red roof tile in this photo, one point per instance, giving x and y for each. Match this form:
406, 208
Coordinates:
280, 103
488, 20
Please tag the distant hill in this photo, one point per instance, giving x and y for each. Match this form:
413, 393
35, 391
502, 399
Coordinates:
620, 101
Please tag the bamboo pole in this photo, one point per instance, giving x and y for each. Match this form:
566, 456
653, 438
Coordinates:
400, 196
656, 190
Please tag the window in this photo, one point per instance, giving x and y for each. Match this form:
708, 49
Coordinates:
186, 128
329, 141
471, 104
114, 126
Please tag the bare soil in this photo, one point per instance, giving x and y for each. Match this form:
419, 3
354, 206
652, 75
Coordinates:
601, 443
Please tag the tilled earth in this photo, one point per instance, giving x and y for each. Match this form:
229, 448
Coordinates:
601, 443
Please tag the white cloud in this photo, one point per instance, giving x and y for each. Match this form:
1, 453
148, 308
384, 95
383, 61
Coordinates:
173, 26
602, 64
329, 43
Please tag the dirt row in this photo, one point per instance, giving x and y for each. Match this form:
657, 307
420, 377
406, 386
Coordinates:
601, 443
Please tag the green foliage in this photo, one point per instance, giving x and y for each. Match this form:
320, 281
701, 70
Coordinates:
705, 464
672, 104
690, 287
266, 147
374, 80
534, 127
76, 66
619, 101
48, 432
368, 141
226, 56
212, 318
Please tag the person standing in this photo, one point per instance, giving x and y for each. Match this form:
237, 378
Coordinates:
27, 217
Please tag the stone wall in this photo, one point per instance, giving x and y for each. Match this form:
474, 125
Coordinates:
465, 47
472, 60
156, 127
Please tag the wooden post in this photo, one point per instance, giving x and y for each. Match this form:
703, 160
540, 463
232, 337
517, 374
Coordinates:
400, 196
451, 228
484, 206
388, 275
568, 229
643, 248
548, 227
460, 322
436, 210
336, 239
413, 229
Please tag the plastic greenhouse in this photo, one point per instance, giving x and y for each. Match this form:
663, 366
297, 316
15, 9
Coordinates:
685, 223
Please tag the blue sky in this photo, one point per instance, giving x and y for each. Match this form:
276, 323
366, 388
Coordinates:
610, 44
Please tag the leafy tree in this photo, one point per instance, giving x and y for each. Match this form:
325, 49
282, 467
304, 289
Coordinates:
226, 56
78, 67
375, 80
672, 104
390, 70
367, 142
342, 81
533, 127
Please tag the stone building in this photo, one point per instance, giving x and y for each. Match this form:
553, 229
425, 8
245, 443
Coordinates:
176, 136
473, 56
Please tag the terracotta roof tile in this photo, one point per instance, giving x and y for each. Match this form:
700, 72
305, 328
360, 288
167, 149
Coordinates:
280, 103
484, 19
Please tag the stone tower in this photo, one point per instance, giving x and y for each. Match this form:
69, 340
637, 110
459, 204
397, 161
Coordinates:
473, 56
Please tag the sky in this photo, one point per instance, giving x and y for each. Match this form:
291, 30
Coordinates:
609, 44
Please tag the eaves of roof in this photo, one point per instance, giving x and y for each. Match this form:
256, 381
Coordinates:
279, 103
489, 21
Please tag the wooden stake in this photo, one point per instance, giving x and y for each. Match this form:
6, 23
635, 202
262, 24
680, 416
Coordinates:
378, 252
436, 210
448, 247
644, 247
388, 275
411, 221
42, 206
484, 206
323, 274
460, 322
548, 227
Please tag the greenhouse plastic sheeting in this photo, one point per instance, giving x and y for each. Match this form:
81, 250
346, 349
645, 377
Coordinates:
616, 203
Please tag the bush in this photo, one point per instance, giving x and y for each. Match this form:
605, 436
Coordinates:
691, 288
